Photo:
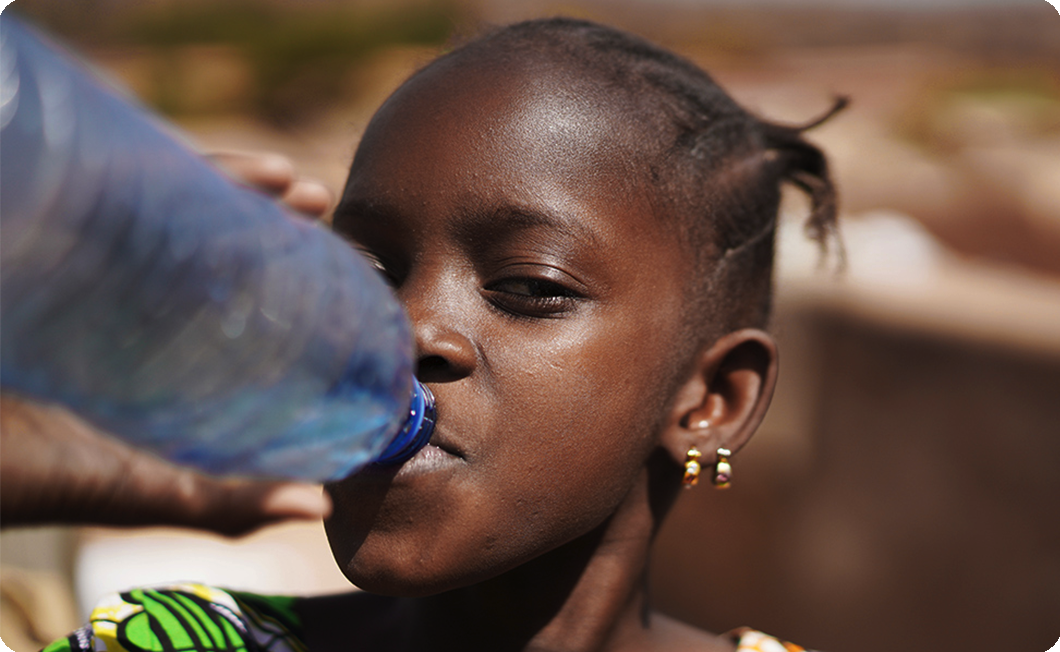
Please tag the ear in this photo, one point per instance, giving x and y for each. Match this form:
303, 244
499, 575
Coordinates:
725, 397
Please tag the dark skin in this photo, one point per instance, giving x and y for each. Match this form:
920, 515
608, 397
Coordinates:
508, 211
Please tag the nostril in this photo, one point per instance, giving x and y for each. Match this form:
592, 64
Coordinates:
445, 354
434, 368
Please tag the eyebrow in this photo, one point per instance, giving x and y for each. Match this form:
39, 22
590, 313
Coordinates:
477, 226
351, 208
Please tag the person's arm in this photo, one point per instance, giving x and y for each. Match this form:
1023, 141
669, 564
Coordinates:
55, 468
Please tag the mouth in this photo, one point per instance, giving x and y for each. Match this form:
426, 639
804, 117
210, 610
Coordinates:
441, 442
432, 458
438, 437
438, 453
435, 457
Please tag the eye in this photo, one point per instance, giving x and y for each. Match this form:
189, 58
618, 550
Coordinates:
376, 263
532, 296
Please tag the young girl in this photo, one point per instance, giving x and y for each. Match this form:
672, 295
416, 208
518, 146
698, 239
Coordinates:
580, 225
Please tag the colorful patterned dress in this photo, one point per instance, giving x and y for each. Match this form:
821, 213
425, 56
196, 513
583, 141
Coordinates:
197, 618
188, 618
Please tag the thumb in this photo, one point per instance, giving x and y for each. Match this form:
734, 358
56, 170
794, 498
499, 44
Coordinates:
238, 507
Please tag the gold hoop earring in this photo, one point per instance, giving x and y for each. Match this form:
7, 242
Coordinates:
692, 468
723, 470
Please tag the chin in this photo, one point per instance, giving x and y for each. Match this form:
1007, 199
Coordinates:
386, 567
408, 580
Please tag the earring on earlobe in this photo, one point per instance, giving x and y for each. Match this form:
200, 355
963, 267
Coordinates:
722, 470
692, 468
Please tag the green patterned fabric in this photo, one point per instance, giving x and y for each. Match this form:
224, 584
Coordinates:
199, 618
188, 618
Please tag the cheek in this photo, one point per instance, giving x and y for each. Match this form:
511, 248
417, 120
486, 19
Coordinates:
610, 367
582, 409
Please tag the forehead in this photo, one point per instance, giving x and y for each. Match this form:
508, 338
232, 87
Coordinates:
505, 131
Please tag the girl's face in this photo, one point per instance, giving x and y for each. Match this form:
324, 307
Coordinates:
511, 213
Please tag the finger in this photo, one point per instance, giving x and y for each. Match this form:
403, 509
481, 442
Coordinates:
172, 495
299, 501
309, 197
58, 469
270, 173
157, 493
235, 508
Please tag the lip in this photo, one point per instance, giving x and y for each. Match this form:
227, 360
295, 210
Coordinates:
427, 460
438, 454
431, 458
439, 440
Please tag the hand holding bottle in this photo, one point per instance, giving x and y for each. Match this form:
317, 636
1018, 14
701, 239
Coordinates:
177, 311
55, 468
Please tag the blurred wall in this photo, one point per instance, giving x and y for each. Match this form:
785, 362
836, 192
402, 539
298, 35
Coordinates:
917, 511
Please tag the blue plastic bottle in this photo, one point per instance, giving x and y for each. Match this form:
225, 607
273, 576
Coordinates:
177, 310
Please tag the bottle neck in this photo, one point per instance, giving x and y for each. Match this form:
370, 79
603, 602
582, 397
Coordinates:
417, 429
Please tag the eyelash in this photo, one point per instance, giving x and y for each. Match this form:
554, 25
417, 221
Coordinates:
531, 297
537, 298
376, 263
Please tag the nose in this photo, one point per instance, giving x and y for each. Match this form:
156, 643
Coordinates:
442, 355
444, 352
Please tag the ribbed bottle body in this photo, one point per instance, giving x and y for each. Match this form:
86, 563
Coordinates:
173, 307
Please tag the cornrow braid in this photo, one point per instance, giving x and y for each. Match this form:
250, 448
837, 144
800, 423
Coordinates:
717, 169
745, 210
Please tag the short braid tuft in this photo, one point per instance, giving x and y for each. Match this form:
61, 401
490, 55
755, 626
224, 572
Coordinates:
807, 168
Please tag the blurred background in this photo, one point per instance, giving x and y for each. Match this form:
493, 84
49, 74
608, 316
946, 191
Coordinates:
904, 491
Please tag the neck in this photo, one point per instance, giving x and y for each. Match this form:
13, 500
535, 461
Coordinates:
584, 596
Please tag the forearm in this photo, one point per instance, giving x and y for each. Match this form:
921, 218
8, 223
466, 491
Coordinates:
55, 468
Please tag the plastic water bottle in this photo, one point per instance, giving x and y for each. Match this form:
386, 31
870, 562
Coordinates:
176, 309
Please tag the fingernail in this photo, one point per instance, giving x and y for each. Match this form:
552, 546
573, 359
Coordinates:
310, 197
300, 500
277, 164
313, 188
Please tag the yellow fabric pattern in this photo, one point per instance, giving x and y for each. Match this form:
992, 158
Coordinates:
749, 640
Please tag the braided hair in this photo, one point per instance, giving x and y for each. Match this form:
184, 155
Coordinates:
717, 169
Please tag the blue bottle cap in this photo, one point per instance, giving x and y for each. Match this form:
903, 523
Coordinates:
417, 430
